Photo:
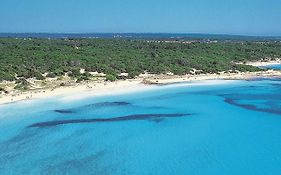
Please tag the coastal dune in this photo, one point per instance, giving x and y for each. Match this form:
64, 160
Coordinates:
80, 91
77, 91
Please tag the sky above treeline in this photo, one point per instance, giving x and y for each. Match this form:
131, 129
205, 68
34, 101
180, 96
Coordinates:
242, 17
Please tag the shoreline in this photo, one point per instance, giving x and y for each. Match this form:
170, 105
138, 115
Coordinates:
163, 80
264, 63
123, 86
77, 91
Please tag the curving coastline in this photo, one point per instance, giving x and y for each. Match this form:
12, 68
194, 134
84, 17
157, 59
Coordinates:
100, 88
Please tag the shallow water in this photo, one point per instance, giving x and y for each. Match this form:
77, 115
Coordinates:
274, 66
230, 128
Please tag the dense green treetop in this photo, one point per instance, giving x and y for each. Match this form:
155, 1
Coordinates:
34, 57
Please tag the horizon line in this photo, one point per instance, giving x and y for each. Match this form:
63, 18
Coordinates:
179, 33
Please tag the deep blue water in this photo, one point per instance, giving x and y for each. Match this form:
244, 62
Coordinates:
142, 36
226, 129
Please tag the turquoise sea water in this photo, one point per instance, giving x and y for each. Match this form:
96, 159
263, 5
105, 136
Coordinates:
232, 128
274, 66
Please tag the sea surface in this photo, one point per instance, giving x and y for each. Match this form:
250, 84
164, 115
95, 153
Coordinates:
274, 67
185, 36
201, 128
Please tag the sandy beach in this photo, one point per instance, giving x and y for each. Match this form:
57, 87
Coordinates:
264, 63
78, 91
223, 76
123, 86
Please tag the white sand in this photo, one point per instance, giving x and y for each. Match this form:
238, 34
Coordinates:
111, 88
127, 86
223, 76
264, 63
79, 91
